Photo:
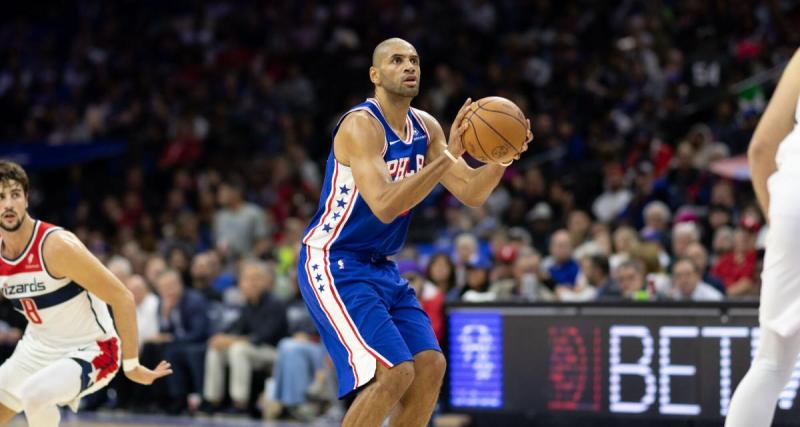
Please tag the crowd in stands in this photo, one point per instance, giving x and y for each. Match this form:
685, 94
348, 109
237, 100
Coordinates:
226, 110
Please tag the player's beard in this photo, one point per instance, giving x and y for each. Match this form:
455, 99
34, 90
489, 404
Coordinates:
401, 90
14, 227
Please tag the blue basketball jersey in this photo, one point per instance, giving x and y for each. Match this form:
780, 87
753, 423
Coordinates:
343, 220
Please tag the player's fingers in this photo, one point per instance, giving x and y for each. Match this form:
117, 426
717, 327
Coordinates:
463, 111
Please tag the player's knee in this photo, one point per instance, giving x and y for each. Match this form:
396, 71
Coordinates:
238, 348
32, 398
397, 379
430, 366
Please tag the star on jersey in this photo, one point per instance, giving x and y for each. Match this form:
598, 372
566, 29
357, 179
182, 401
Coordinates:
321, 288
341, 203
315, 267
344, 189
327, 227
319, 277
336, 215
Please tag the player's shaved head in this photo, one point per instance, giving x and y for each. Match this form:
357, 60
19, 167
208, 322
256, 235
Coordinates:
388, 46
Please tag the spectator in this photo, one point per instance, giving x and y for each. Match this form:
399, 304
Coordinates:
656, 221
560, 267
250, 343
625, 242
207, 276
526, 276
430, 297
466, 252
736, 269
146, 308
476, 288
183, 327
632, 283
598, 274
441, 272
683, 235
120, 267
616, 197
299, 366
238, 225
698, 254
687, 284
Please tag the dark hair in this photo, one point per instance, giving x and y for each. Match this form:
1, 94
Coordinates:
10, 171
688, 261
451, 281
600, 261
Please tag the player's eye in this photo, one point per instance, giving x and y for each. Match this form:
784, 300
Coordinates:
414, 61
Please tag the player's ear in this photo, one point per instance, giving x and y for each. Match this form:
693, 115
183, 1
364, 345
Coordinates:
373, 75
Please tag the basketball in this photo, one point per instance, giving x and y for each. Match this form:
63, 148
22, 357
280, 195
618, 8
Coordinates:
496, 130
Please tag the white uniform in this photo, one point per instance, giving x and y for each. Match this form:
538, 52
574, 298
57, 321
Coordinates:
780, 290
64, 322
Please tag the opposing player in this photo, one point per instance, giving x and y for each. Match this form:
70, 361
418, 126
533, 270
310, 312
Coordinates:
372, 325
70, 347
774, 156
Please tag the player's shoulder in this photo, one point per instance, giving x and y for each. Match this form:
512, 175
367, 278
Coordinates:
61, 242
360, 122
427, 119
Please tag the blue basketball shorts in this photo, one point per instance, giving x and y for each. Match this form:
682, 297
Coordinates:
365, 313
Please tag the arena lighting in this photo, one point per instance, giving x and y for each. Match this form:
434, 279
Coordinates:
623, 363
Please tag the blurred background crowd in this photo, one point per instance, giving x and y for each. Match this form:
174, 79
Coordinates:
224, 112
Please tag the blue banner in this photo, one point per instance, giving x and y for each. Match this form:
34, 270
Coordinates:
42, 156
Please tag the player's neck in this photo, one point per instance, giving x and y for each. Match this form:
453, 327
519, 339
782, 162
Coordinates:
395, 108
14, 242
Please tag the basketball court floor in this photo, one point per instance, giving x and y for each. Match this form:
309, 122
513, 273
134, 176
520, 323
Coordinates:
129, 420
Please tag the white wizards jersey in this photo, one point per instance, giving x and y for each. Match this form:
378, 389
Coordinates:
60, 313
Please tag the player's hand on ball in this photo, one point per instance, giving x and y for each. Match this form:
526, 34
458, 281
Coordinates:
455, 145
527, 140
145, 376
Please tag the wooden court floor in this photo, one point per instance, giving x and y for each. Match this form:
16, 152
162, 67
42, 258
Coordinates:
129, 420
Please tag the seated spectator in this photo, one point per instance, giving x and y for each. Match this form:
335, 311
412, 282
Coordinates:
736, 269
250, 342
688, 286
466, 251
477, 285
153, 267
146, 307
442, 273
625, 242
649, 254
299, 366
598, 275
630, 275
238, 224
616, 197
698, 254
526, 277
560, 267
120, 267
147, 326
430, 297
207, 276
183, 329
656, 220
683, 235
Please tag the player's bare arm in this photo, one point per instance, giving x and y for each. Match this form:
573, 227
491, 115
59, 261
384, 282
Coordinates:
66, 256
470, 186
359, 144
776, 122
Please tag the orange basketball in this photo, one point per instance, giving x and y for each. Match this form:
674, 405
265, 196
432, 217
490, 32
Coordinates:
496, 130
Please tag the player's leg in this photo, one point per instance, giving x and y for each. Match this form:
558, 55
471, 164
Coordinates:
416, 405
58, 383
375, 402
6, 414
356, 327
753, 403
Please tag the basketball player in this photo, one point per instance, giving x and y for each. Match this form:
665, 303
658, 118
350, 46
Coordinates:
371, 323
774, 156
70, 347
